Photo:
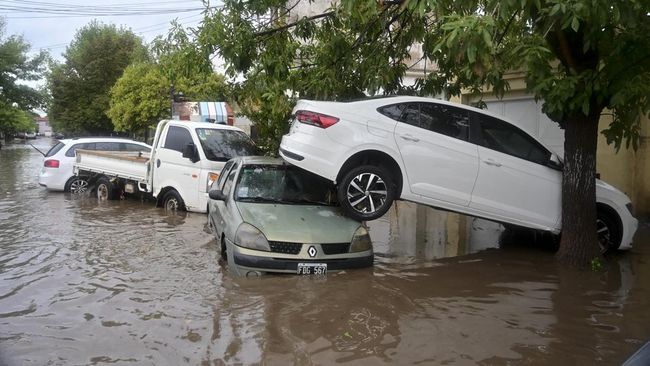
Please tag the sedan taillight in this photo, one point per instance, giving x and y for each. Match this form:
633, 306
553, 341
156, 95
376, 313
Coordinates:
316, 119
51, 163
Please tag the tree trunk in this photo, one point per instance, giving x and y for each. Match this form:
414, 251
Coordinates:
579, 243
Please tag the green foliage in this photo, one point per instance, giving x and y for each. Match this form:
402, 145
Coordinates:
80, 86
139, 99
17, 98
581, 56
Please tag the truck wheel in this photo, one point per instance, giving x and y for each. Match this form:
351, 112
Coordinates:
366, 192
172, 201
105, 189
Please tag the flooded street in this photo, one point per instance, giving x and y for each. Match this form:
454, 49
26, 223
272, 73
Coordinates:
84, 282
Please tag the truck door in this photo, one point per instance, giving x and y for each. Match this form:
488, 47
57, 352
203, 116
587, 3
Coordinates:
171, 169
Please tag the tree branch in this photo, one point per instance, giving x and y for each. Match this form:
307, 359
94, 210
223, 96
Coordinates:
291, 25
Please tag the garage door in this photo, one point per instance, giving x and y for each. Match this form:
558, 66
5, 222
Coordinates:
528, 115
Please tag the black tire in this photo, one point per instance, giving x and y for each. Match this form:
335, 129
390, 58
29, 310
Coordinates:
77, 185
105, 189
608, 230
172, 201
366, 192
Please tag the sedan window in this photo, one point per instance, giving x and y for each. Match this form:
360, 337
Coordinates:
444, 119
508, 139
408, 113
283, 184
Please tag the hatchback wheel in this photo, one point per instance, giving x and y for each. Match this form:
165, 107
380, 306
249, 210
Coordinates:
366, 192
77, 185
608, 231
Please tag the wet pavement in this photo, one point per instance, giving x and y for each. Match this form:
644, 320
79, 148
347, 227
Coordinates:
121, 282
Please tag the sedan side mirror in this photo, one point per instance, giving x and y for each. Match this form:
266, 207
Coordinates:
217, 195
554, 162
191, 152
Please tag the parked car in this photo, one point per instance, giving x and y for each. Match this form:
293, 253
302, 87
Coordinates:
30, 135
269, 216
57, 172
444, 155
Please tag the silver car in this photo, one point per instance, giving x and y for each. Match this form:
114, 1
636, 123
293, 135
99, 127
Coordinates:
269, 216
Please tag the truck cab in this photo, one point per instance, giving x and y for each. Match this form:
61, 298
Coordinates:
186, 159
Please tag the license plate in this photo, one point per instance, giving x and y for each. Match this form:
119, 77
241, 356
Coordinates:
312, 269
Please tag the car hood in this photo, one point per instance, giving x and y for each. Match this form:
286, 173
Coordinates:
299, 223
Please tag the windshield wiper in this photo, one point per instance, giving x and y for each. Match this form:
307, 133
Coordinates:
258, 199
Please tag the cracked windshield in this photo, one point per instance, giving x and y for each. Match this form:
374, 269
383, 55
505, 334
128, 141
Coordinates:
323, 182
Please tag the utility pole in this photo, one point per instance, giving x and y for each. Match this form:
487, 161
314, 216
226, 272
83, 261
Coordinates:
171, 98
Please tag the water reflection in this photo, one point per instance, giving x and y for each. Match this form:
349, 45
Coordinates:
85, 283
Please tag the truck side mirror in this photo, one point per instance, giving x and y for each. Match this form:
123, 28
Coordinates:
191, 152
217, 194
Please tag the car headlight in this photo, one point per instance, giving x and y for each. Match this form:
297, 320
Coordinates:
248, 236
360, 241
212, 177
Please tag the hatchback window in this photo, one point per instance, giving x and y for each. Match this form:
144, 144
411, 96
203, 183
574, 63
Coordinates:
283, 184
230, 180
177, 138
222, 176
107, 146
223, 145
134, 147
55, 149
508, 139
444, 119
85, 146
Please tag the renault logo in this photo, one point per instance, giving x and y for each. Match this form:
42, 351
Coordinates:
312, 251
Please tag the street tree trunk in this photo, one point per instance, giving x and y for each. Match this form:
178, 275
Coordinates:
579, 243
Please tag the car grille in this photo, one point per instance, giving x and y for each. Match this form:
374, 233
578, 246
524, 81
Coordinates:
335, 248
285, 248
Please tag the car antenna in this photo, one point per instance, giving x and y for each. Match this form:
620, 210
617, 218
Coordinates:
35, 148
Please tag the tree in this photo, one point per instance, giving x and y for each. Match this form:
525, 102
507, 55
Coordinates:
581, 57
80, 86
140, 98
17, 98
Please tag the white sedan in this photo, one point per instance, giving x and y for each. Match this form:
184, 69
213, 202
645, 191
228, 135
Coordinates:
57, 173
444, 155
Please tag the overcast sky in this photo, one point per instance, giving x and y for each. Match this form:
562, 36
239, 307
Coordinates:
52, 24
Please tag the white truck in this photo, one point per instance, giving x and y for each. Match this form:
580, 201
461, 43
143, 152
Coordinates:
185, 159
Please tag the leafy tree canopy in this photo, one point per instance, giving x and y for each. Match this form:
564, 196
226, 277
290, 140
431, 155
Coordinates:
17, 98
580, 57
80, 86
141, 97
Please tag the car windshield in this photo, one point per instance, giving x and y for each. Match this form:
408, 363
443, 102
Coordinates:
283, 184
55, 149
223, 145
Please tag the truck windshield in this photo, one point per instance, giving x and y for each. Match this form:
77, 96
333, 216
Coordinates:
223, 145
284, 184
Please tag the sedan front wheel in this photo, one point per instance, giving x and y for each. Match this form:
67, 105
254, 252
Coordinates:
366, 192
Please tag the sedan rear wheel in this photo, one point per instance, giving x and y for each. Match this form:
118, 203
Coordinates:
366, 192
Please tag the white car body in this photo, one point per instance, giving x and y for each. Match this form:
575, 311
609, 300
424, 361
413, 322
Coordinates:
58, 178
448, 169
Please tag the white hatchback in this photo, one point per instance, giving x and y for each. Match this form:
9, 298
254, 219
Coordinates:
57, 172
443, 155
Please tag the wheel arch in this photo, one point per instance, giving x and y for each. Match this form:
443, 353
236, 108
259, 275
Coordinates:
376, 158
604, 207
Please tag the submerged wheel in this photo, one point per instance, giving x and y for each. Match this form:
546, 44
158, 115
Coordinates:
105, 189
366, 192
77, 185
608, 230
172, 201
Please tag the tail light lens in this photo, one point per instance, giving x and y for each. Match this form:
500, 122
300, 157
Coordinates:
316, 119
51, 163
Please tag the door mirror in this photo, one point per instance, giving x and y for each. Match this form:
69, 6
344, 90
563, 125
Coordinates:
217, 195
191, 152
554, 162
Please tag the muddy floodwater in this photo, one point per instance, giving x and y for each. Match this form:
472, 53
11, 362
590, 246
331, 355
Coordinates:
90, 283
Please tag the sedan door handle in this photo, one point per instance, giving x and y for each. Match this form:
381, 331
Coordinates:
492, 162
409, 138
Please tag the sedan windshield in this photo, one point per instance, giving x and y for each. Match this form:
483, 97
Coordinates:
283, 184
222, 144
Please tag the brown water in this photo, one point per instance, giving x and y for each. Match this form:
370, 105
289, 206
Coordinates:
88, 283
